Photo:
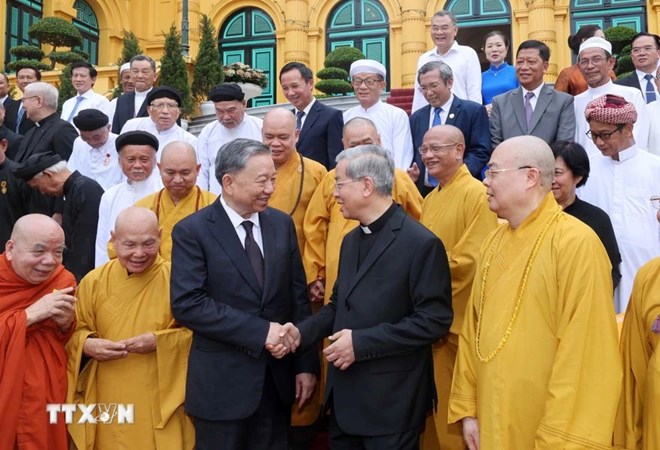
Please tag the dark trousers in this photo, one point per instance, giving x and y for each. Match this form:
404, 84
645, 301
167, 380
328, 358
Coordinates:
339, 440
267, 428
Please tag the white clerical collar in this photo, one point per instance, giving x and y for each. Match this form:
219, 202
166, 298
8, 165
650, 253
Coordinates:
365, 229
235, 218
627, 154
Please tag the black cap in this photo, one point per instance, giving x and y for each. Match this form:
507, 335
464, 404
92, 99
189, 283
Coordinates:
226, 92
164, 92
90, 120
136, 137
36, 164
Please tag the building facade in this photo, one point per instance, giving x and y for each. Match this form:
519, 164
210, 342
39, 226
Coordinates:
269, 33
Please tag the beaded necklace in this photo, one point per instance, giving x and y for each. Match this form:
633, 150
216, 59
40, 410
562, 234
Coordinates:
523, 285
301, 169
160, 194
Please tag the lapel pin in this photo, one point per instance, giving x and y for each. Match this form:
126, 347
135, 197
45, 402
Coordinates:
451, 116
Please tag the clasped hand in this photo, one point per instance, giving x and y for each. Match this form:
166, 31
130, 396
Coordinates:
107, 350
282, 339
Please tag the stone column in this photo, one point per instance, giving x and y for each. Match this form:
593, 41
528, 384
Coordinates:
542, 28
296, 47
413, 31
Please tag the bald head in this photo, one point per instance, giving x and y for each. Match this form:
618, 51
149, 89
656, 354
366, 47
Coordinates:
534, 152
280, 117
35, 248
178, 169
179, 149
280, 134
442, 152
360, 131
134, 218
136, 238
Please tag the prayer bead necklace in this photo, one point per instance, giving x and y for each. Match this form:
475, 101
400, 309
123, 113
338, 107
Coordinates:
523, 285
301, 169
160, 194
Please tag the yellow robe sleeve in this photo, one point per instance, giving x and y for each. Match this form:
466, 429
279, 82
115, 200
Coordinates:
315, 228
406, 194
172, 350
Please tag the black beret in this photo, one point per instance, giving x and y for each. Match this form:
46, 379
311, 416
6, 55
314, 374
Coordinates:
164, 92
226, 92
36, 164
136, 137
90, 120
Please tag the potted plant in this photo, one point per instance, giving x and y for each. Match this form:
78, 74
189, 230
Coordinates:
252, 81
208, 72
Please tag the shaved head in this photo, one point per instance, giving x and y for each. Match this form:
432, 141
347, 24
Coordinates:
280, 134
359, 131
280, 116
181, 149
442, 152
134, 218
179, 169
32, 225
534, 152
136, 238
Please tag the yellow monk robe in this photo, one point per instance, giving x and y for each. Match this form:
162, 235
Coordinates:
555, 381
114, 305
459, 215
170, 214
638, 419
292, 198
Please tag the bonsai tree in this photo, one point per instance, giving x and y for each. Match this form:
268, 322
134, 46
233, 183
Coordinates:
621, 39
131, 48
58, 33
173, 69
208, 71
334, 77
27, 56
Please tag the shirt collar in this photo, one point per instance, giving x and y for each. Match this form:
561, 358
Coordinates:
378, 224
374, 108
600, 90
536, 91
453, 48
235, 218
628, 153
308, 108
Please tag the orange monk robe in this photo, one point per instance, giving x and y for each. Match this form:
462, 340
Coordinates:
459, 215
290, 196
638, 419
555, 381
169, 214
115, 305
32, 364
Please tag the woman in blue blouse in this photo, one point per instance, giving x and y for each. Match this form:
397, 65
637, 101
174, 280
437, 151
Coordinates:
500, 76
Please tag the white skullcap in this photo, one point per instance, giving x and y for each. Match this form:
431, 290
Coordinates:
367, 66
125, 66
596, 42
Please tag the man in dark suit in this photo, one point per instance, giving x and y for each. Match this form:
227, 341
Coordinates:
5, 98
15, 118
13, 139
390, 303
132, 104
52, 135
320, 126
435, 79
236, 275
645, 55
534, 108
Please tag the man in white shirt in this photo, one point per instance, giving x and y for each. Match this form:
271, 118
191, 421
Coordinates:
137, 159
163, 106
94, 154
595, 61
462, 59
133, 104
232, 123
368, 79
645, 54
83, 77
622, 180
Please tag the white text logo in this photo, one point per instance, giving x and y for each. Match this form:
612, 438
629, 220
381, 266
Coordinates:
103, 413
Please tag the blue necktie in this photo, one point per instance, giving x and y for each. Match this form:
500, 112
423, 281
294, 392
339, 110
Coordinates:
437, 120
650, 90
19, 118
79, 99
299, 116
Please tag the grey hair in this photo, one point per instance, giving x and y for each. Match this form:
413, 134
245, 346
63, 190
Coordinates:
43, 90
445, 13
370, 161
144, 58
58, 167
445, 71
233, 156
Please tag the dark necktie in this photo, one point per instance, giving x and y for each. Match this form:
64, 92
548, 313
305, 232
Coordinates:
253, 253
650, 90
299, 116
19, 118
529, 111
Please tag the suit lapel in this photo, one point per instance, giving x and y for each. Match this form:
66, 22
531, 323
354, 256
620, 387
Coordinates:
225, 234
519, 109
541, 104
454, 111
268, 239
313, 115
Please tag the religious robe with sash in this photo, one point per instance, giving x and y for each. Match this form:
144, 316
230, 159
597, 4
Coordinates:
32, 364
458, 214
293, 192
638, 419
538, 363
115, 305
169, 214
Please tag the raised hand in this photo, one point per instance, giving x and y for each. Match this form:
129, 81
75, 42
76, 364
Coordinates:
413, 172
340, 353
58, 305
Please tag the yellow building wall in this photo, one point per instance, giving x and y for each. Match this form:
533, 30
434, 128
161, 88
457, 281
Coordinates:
301, 28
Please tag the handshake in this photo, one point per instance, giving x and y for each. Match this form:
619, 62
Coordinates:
282, 339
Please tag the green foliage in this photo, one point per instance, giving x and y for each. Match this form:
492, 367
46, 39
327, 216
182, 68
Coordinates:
624, 65
173, 69
66, 89
208, 71
131, 47
332, 73
334, 87
55, 31
17, 65
619, 37
27, 52
65, 57
343, 57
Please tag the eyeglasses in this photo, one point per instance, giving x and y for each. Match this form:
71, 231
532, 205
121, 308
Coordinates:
340, 184
489, 173
646, 49
605, 136
357, 82
655, 201
28, 98
596, 61
430, 87
161, 106
436, 149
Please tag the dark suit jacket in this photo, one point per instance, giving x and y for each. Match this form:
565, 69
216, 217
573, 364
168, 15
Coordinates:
8, 101
11, 114
631, 80
472, 119
320, 137
215, 293
397, 303
125, 111
14, 141
553, 118
52, 135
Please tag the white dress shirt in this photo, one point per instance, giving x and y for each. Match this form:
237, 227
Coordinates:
139, 98
100, 164
393, 127
623, 190
91, 100
653, 109
237, 221
466, 68
215, 135
174, 133
307, 109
